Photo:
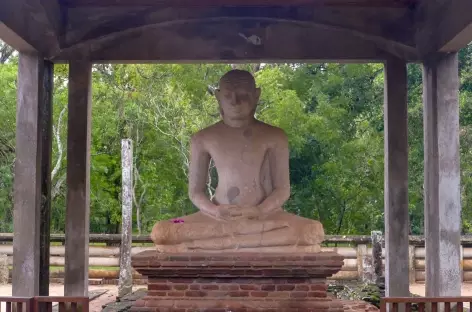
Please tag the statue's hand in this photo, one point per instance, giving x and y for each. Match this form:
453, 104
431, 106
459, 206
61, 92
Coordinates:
245, 213
226, 212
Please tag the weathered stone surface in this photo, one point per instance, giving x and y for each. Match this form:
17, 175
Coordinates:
358, 306
126, 302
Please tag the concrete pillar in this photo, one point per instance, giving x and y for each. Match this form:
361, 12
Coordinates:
32, 183
78, 179
442, 175
396, 179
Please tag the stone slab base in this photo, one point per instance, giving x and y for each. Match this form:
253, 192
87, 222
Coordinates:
237, 282
358, 306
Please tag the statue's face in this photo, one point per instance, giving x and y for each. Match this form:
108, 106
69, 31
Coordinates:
237, 99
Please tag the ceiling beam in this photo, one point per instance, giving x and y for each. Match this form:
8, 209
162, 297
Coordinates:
232, 40
31, 24
206, 3
443, 26
392, 27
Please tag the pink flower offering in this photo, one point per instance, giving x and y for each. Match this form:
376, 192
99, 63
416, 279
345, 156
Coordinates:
178, 221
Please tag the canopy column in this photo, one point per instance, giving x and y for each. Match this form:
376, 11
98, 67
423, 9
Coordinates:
396, 179
442, 208
78, 179
32, 189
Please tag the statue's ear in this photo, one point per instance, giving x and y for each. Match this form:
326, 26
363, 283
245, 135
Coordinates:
257, 94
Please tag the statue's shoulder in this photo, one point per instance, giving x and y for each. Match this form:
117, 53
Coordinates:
273, 132
205, 133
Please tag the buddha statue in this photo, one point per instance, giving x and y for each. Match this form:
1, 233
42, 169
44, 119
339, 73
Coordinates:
252, 162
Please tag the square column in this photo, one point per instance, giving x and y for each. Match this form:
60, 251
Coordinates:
396, 179
78, 179
442, 208
32, 186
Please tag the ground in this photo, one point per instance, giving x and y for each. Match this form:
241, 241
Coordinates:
58, 290
112, 291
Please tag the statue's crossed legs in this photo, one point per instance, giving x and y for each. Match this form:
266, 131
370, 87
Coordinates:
278, 232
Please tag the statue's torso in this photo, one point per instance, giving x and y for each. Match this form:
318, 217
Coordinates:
242, 158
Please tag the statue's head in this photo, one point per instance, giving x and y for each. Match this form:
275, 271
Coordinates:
237, 95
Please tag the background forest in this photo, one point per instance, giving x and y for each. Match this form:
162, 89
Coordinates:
332, 113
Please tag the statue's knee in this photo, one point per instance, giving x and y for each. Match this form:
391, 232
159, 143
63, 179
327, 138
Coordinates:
160, 233
313, 232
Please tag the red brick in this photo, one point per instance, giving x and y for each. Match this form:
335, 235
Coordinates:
238, 293
302, 287
180, 287
176, 293
229, 287
286, 287
298, 294
217, 293
277, 272
259, 294
268, 287
249, 287
195, 287
319, 287
159, 287
209, 287
195, 293
317, 294
279, 294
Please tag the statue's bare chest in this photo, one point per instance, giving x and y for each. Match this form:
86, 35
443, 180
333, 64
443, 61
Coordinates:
238, 149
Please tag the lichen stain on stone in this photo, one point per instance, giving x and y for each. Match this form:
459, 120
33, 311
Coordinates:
232, 193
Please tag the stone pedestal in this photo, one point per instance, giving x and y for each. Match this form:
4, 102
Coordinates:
237, 281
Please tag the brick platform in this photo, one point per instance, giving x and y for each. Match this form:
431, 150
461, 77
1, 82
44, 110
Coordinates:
237, 282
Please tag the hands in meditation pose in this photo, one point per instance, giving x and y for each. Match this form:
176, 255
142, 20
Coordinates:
252, 161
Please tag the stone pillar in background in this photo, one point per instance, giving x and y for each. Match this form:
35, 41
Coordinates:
126, 276
377, 266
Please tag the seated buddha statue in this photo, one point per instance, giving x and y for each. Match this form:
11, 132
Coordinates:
252, 162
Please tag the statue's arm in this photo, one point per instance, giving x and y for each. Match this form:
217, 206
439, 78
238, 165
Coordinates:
280, 175
198, 174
